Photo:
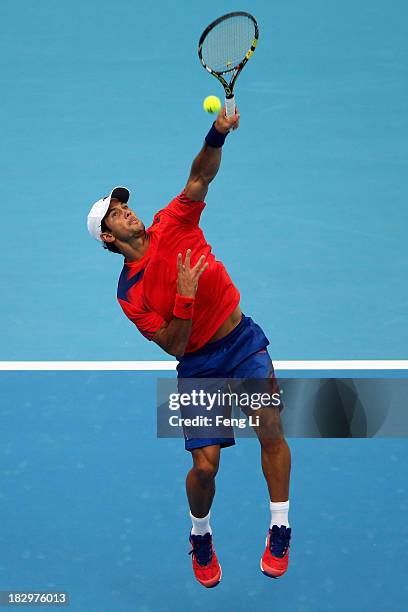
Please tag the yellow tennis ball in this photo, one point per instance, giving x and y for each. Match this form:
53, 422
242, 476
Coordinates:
212, 104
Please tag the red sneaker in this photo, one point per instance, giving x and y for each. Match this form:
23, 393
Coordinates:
275, 559
206, 568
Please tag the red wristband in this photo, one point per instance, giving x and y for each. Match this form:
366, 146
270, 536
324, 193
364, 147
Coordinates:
183, 307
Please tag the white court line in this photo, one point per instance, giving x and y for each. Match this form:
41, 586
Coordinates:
160, 366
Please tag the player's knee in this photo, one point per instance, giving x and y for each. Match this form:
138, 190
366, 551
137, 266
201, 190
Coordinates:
269, 429
206, 472
205, 467
272, 441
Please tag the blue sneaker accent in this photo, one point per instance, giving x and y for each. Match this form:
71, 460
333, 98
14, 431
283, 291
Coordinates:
279, 540
202, 548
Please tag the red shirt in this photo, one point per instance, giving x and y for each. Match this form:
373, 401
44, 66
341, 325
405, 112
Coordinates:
147, 287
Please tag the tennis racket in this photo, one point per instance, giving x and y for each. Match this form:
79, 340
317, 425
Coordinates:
224, 48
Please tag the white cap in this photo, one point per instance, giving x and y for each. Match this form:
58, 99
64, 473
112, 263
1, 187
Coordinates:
100, 208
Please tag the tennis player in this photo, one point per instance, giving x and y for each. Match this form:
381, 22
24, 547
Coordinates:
179, 296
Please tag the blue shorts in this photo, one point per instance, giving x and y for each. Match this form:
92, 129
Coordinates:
240, 354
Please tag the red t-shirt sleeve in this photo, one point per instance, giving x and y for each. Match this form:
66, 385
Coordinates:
184, 210
146, 321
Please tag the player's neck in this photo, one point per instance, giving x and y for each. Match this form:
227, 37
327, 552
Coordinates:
135, 248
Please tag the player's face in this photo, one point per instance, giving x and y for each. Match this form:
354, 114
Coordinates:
122, 222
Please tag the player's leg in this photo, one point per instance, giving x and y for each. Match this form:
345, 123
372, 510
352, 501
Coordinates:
200, 482
276, 464
258, 376
200, 486
275, 454
275, 459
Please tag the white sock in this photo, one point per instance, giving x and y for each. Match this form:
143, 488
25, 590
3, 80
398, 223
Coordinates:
201, 526
279, 513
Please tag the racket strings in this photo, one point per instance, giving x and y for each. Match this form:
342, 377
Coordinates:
226, 45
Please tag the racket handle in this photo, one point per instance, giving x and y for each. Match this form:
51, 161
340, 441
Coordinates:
230, 106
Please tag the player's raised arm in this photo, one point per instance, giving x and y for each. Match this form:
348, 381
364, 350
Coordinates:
206, 164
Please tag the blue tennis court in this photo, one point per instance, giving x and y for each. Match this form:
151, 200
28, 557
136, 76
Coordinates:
308, 213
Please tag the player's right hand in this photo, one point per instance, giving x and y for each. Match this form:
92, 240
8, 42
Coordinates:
224, 124
187, 280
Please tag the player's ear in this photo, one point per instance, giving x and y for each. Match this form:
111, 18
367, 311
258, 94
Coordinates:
108, 237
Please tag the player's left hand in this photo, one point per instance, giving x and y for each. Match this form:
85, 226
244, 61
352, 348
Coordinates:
188, 277
224, 124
